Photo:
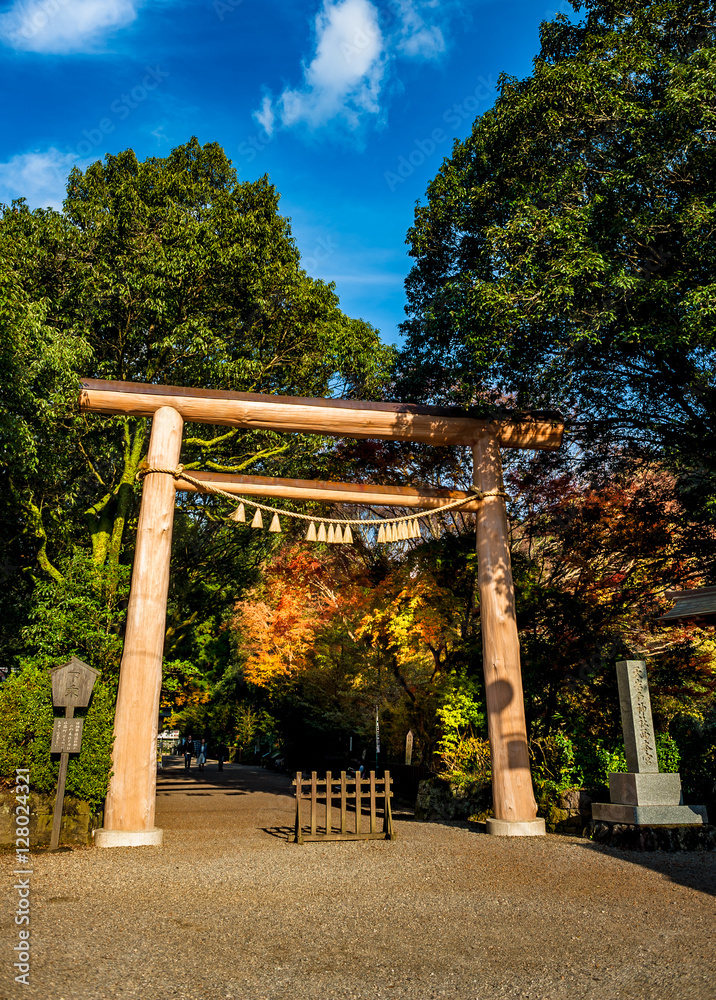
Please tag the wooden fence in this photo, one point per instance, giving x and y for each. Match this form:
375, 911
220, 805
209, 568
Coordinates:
404, 778
336, 797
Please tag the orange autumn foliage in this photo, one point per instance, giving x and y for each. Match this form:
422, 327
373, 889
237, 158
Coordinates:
303, 601
277, 626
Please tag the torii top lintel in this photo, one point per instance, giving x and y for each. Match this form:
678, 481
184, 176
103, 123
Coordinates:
340, 417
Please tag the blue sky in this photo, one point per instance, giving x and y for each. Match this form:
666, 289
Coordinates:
349, 106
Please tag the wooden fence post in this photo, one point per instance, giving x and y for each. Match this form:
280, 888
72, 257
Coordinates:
359, 804
314, 802
513, 799
344, 798
372, 801
388, 810
129, 808
299, 793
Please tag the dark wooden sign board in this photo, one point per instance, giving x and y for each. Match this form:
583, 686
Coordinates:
72, 685
67, 736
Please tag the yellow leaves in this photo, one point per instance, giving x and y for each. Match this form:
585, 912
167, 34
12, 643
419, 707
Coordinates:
183, 685
264, 668
272, 639
190, 696
409, 613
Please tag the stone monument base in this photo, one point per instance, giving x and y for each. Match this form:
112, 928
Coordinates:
618, 812
645, 789
514, 828
628, 837
128, 838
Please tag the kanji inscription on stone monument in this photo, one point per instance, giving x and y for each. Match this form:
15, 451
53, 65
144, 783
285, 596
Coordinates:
639, 742
66, 736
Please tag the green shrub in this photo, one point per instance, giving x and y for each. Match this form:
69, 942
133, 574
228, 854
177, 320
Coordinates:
26, 728
461, 750
554, 762
468, 757
26, 720
695, 736
608, 761
668, 753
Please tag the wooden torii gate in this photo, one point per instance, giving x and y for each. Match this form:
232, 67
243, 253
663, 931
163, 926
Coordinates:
130, 805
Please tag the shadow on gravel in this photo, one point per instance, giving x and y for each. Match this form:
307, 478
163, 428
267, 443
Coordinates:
234, 779
692, 869
459, 824
280, 832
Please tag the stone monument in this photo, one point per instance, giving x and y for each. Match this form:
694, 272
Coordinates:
642, 796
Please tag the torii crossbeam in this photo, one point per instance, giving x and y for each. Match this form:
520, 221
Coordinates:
130, 805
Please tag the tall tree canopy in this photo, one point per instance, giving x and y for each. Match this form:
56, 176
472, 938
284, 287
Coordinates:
566, 253
170, 271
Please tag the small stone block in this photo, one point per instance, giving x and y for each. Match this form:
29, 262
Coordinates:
614, 812
516, 828
645, 789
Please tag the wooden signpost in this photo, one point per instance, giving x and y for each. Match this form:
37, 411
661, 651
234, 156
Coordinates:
72, 685
129, 810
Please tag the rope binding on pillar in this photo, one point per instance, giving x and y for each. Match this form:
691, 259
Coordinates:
330, 529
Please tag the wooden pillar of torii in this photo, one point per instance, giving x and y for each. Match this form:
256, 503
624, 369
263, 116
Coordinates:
129, 809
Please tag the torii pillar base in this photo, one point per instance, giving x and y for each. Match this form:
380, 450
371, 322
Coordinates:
515, 828
129, 838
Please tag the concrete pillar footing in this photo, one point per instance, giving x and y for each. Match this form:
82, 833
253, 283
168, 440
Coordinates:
516, 828
128, 838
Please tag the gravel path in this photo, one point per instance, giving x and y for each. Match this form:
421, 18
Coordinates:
228, 909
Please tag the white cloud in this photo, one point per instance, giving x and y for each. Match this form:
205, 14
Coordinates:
40, 177
64, 26
346, 76
265, 115
416, 38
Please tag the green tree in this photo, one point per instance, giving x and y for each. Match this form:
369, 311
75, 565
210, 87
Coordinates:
564, 258
170, 271
565, 255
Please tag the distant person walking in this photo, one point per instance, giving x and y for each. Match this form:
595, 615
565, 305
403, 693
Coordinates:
203, 750
187, 749
222, 752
